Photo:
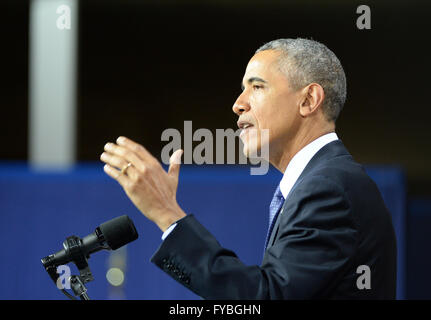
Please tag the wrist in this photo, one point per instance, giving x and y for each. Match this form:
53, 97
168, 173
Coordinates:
170, 218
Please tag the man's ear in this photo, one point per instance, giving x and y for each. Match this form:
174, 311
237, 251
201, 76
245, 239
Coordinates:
312, 98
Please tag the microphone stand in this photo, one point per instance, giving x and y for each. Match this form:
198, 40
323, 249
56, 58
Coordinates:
81, 261
76, 284
78, 287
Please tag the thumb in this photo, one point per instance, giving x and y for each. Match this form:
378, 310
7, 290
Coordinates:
175, 163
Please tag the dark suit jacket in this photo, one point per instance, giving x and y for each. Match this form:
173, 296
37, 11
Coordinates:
333, 221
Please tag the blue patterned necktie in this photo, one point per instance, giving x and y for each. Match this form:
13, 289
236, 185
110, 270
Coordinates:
274, 208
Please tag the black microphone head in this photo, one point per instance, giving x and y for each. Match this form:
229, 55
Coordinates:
118, 231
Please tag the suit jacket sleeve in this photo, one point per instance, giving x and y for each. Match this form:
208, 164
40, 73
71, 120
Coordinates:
313, 249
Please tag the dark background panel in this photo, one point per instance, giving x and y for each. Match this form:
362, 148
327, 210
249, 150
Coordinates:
13, 80
148, 66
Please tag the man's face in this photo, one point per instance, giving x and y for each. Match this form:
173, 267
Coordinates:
267, 102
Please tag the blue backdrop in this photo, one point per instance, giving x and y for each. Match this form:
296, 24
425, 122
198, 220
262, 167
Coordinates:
39, 210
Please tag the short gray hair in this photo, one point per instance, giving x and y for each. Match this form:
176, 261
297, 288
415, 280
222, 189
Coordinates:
306, 61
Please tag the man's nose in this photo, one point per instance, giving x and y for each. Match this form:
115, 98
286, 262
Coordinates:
240, 106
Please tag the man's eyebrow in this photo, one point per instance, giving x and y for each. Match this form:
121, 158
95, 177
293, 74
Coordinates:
251, 80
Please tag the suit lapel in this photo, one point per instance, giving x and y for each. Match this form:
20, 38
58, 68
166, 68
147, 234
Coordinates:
332, 149
282, 211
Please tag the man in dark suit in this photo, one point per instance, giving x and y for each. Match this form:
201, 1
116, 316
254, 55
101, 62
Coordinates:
330, 235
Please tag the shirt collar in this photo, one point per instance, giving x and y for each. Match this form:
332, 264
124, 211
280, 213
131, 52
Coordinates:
300, 161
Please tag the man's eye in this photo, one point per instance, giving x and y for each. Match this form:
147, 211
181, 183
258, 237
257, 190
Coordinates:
256, 86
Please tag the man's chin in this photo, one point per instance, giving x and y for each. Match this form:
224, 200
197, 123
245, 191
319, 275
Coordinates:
255, 143
250, 152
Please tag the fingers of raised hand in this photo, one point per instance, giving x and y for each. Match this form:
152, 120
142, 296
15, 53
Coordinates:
113, 160
136, 148
122, 156
118, 157
122, 166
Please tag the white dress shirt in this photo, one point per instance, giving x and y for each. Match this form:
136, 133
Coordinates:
294, 168
300, 161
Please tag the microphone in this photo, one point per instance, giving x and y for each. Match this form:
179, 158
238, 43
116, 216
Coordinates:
110, 235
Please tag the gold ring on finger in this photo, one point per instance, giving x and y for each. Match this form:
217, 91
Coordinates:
124, 169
